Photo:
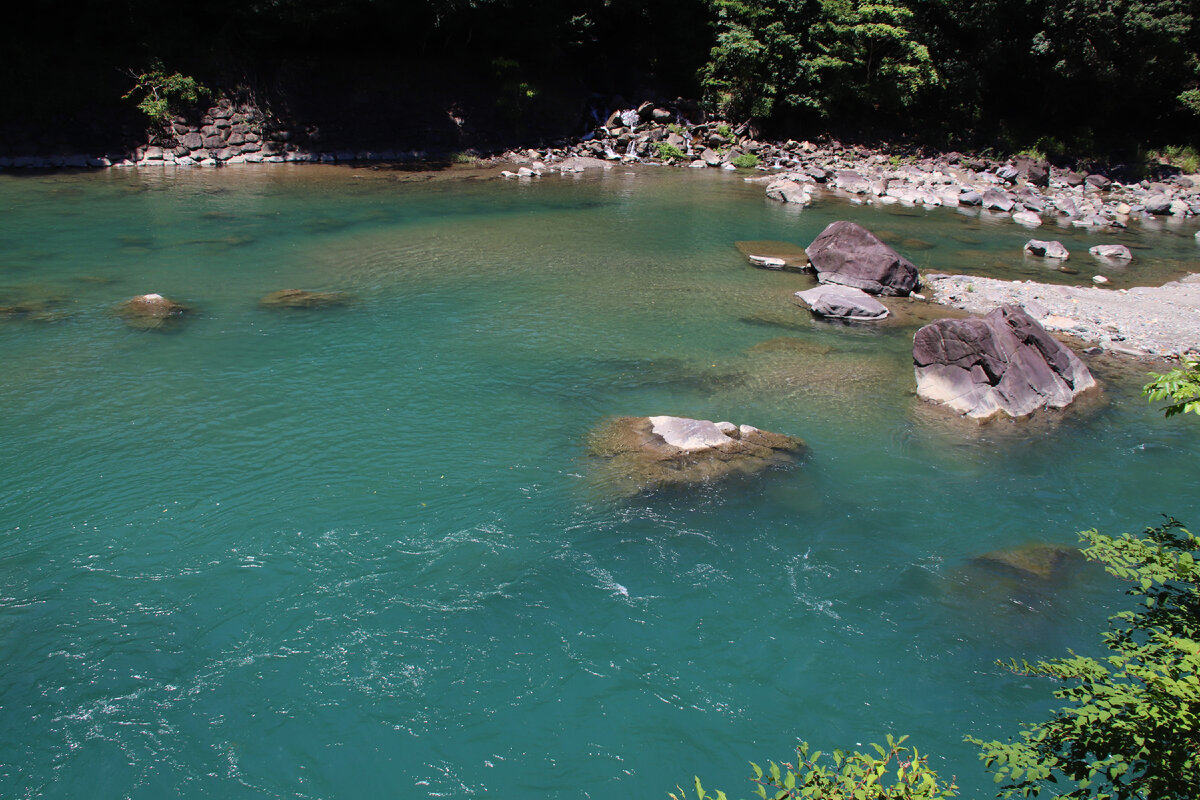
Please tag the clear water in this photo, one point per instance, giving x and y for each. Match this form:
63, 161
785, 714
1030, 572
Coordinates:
362, 552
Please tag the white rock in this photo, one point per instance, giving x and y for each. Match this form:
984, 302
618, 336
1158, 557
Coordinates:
688, 434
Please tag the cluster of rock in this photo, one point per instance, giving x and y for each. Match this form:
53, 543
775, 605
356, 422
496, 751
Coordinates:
1030, 191
154, 312
648, 453
1003, 363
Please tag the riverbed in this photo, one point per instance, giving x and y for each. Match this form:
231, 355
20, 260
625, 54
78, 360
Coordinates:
363, 551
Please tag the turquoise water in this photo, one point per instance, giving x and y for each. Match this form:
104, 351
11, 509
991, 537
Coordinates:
363, 552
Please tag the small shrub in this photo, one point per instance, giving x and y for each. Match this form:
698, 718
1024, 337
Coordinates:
667, 151
162, 95
895, 773
745, 161
1185, 157
724, 130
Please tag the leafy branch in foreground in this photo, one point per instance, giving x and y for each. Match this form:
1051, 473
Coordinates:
894, 773
1181, 385
1130, 729
163, 95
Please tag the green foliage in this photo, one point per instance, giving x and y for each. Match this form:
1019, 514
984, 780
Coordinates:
821, 55
894, 772
1130, 728
666, 151
1184, 157
162, 96
745, 161
1181, 386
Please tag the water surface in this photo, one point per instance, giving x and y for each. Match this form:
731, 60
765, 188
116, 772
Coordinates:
363, 552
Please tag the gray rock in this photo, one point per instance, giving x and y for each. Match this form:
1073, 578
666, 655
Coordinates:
998, 201
1004, 363
1157, 204
1042, 249
850, 255
843, 302
970, 198
1027, 218
786, 191
850, 181
1111, 251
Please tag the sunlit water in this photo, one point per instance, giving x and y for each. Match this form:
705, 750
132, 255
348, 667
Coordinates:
362, 552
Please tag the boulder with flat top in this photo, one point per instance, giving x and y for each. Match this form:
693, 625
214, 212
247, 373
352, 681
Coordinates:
843, 302
647, 453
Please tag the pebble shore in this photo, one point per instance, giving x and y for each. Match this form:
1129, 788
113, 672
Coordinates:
1159, 321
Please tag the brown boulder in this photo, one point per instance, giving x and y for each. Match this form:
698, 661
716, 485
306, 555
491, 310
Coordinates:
647, 453
851, 255
1003, 363
152, 312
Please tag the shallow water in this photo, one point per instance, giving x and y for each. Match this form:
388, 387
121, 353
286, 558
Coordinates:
363, 552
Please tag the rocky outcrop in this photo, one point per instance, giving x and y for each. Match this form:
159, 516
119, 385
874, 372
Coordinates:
647, 453
152, 312
301, 298
843, 302
1004, 363
850, 255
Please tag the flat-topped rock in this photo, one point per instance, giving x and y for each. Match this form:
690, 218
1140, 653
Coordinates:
647, 453
1003, 364
581, 163
152, 312
301, 298
771, 254
843, 302
848, 254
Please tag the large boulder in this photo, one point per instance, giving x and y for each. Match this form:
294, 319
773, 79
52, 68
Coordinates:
647, 453
851, 255
843, 302
1003, 363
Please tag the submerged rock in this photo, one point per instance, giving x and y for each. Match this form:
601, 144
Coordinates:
647, 453
301, 298
1004, 363
843, 302
849, 254
1045, 562
152, 312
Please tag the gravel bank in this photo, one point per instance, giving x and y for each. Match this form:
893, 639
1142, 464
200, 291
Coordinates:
1162, 321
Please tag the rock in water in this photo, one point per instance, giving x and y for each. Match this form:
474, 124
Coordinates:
1037, 247
843, 302
1114, 252
851, 255
1004, 363
1045, 562
301, 298
152, 312
647, 453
